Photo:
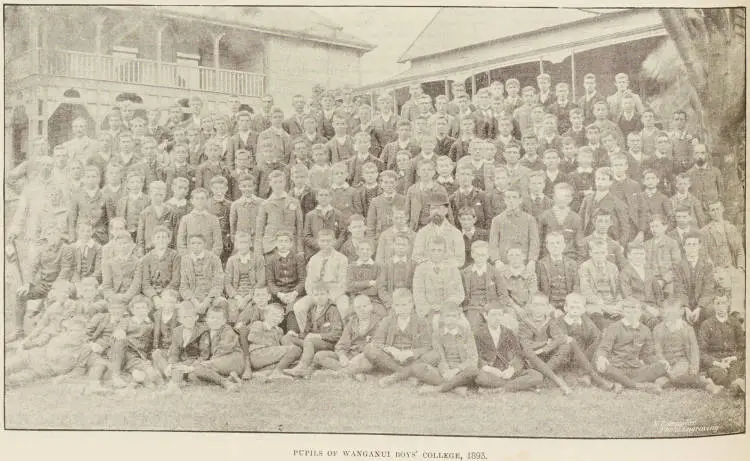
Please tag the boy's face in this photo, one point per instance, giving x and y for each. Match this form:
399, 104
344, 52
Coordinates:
400, 247
569, 150
602, 181
403, 132
402, 162
683, 184
426, 171
602, 223
467, 221
683, 219
273, 316
242, 162
599, 254
362, 306
539, 309
87, 291
138, 127
475, 151
188, 319
196, 246
495, 318
284, 243
504, 127
357, 229
550, 124
402, 305
512, 88
721, 306
658, 228
515, 257
537, 114
465, 178
277, 119
91, 179
511, 156
194, 137
338, 176
555, 245
324, 198
319, 296
242, 243
370, 176
437, 252
635, 144
212, 152
480, 254
320, 156
637, 256
592, 136
428, 146
161, 240
441, 125
215, 319
362, 144
277, 183
450, 319
364, 251
180, 155
325, 242
75, 170
536, 184
576, 119
310, 126
562, 198
680, 121
551, 160
512, 199
589, 84
585, 159
388, 184
528, 97
339, 126
648, 119
135, 184
243, 123
609, 143
619, 166
444, 166
179, 190
467, 126
140, 311
261, 297
575, 307
299, 178
158, 195
175, 115
501, 180
126, 144
399, 218
199, 201
600, 111
650, 181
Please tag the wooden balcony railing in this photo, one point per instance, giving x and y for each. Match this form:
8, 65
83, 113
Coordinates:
138, 71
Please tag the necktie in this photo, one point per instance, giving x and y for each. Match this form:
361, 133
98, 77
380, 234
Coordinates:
323, 265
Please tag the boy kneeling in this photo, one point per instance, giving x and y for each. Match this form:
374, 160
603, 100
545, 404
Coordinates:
457, 366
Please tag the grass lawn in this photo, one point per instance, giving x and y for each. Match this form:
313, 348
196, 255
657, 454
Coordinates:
329, 405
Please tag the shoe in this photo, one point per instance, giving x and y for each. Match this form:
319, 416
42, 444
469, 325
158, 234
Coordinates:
387, 381
566, 390
171, 389
737, 387
15, 336
413, 381
713, 389
584, 380
653, 388
461, 390
95, 388
427, 389
276, 376
234, 377
296, 371
248, 373
617, 388
118, 383
138, 376
230, 386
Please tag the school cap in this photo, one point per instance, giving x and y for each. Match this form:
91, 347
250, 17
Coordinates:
438, 198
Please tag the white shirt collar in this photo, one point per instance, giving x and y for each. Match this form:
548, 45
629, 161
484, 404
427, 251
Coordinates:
369, 262
397, 259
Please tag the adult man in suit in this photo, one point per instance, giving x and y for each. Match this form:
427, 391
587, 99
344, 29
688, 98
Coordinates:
245, 139
294, 125
590, 97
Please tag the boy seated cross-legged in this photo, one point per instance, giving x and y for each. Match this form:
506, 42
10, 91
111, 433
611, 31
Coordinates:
457, 366
190, 344
348, 357
225, 362
321, 330
502, 358
268, 347
402, 338
252, 311
132, 344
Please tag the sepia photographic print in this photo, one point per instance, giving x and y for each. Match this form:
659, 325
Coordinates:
432, 221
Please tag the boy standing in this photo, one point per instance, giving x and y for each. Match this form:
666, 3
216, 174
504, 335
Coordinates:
154, 215
160, 267
243, 212
721, 239
380, 211
324, 216
200, 222
279, 212
514, 227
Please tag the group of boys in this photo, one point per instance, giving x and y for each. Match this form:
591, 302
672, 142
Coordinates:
456, 246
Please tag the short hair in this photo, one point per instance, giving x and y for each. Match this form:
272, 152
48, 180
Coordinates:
356, 218
388, 174
117, 220
554, 234
543, 77
197, 236
605, 170
220, 305
283, 233
574, 296
657, 217
576, 110
185, 308
326, 233
651, 171
140, 299
402, 293
171, 293
339, 166
299, 167
91, 167
135, 173
467, 211
597, 243
551, 151
275, 174
562, 186
479, 244
692, 234
512, 81
157, 185
593, 127
181, 180
198, 191
162, 229
369, 166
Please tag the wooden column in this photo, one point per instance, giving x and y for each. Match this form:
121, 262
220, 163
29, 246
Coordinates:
217, 39
573, 74
447, 89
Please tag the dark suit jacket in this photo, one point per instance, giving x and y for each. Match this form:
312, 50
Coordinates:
484, 127
293, 127
508, 353
571, 275
699, 288
236, 144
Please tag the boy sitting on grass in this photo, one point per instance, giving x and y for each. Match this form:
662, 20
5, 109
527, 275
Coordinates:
268, 347
457, 367
320, 333
190, 344
225, 362
348, 357
132, 341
